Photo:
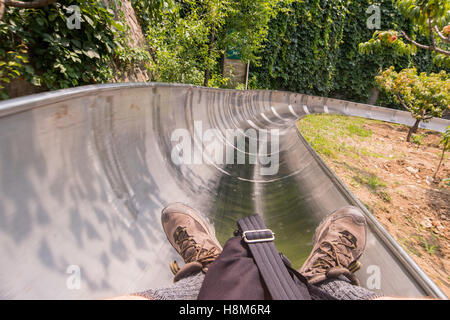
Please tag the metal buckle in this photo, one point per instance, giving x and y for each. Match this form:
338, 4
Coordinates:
244, 236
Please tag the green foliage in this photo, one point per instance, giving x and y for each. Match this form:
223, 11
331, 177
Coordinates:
189, 37
371, 181
324, 132
149, 10
38, 47
383, 40
313, 47
302, 47
446, 181
430, 248
309, 46
172, 39
418, 138
247, 25
431, 29
445, 142
355, 72
425, 96
14, 64
357, 129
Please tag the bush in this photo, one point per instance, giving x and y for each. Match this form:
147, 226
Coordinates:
38, 47
424, 95
313, 48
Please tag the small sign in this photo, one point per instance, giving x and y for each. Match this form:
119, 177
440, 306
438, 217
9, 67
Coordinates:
233, 53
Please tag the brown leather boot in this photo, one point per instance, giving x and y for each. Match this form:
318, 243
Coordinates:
338, 243
192, 237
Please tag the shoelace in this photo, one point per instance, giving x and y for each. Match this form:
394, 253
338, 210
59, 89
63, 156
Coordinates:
199, 253
332, 253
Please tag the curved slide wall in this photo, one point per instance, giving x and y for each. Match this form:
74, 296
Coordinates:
85, 172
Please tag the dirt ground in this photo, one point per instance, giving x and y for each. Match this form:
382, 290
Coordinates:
394, 179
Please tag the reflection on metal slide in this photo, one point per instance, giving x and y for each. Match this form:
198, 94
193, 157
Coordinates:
85, 172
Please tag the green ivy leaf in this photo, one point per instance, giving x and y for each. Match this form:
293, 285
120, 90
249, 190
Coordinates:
91, 54
119, 26
88, 20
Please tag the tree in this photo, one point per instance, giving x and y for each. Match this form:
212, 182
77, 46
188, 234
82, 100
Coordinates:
432, 21
425, 96
2, 9
36, 46
445, 142
23, 4
241, 24
189, 37
28, 5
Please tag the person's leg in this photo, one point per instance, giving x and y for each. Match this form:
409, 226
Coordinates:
186, 288
342, 289
338, 243
195, 241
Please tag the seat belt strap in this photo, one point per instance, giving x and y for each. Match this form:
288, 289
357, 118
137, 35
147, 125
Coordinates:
272, 268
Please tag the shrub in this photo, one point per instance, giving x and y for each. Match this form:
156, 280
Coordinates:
425, 96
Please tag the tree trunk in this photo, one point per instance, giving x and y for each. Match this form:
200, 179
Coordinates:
134, 39
207, 76
28, 5
210, 48
440, 162
2, 9
413, 130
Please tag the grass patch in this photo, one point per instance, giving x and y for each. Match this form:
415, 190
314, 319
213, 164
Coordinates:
418, 138
429, 245
370, 180
374, 184
406, 243
357, 129
386, 197
323, 146
325, 133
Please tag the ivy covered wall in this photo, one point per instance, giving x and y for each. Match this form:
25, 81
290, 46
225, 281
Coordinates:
313, 49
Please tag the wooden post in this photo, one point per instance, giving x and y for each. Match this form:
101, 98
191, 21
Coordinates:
246, 75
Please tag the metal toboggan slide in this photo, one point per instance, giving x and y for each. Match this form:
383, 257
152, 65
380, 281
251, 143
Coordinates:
85, 172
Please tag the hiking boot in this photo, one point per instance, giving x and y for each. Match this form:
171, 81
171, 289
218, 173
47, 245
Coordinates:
338, 243
192, 237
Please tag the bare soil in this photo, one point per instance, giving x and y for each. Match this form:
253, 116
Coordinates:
394, 179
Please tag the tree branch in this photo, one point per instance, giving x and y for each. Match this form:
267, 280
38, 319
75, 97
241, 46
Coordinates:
403, 103
2, 9
422, 46
441, 35
28, 5
430, 26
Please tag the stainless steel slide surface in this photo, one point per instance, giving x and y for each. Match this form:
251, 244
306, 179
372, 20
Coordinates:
85, 172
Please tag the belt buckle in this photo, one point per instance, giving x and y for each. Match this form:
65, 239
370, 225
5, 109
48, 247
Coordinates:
244, 236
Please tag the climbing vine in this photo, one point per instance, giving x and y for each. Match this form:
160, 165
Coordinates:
302, 46
314, 49
36, 45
